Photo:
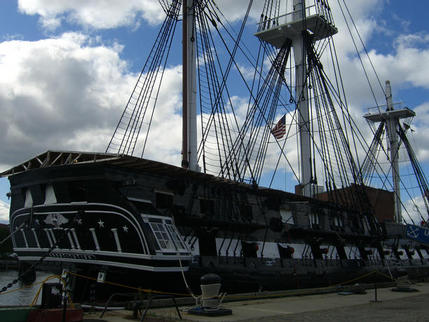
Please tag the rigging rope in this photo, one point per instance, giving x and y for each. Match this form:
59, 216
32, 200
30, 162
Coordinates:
141, 104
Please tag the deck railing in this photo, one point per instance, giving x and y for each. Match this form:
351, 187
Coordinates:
317, 7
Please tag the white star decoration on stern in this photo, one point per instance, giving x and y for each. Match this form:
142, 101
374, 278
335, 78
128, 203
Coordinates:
125, 228
101, 223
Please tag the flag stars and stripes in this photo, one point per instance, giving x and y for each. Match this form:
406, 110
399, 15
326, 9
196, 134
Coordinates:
279, 130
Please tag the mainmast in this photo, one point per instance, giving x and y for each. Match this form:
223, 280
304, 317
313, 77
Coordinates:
391, 118
300, 25
301, 98
189, 92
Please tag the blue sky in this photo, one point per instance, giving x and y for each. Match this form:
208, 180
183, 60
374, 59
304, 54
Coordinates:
67, 68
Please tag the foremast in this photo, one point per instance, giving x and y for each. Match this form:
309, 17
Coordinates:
391, 119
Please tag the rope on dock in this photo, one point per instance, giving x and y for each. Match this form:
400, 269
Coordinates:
145, 290
279, 294
47, 279
19, 288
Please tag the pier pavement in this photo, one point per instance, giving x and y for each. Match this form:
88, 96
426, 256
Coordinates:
390, 306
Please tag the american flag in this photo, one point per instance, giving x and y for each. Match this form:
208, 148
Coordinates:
280, 129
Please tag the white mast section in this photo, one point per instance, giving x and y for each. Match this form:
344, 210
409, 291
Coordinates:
189, 130
394, 153
292, 25
301, 97
392, 117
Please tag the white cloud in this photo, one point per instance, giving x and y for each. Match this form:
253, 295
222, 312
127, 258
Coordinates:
61, 93
67, 93
415, 211
400, 66
102, 14
98, 14
420, 131
401, 69
235, 10
164, 143
4, 212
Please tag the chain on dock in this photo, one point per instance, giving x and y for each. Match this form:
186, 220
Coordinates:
32, 267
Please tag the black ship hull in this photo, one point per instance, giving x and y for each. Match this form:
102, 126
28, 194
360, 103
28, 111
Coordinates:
144, 223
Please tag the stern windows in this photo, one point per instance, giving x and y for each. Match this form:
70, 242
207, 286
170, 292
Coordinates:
50, 197
172, 230
161, 234
166, 234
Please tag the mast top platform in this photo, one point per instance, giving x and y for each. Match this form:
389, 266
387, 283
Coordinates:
316, 19
390, 114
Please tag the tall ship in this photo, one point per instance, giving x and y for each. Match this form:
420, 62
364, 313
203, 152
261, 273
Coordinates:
282, 189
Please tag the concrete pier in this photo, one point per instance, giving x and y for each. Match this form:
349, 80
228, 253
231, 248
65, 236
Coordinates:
391, 306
